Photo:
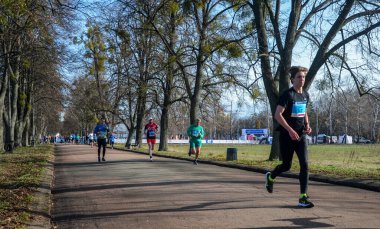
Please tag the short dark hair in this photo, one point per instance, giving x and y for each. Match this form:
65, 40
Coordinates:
295, 69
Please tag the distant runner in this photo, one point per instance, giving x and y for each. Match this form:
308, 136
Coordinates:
151, 131
112, 139
291, 114
196, 133
101, 130
91, 139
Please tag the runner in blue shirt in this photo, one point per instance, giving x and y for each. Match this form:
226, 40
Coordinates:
112, 139
101, 130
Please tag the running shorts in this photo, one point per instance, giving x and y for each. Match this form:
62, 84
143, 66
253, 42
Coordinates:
102, 142
151, 140
195, 143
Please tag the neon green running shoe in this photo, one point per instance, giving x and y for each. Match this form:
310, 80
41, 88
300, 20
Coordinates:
304, 202
269, 182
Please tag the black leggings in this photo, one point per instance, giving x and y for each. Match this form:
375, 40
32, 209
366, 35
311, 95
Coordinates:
102, 142
287, 148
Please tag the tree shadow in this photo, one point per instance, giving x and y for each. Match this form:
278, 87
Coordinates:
206, 206
152, 184
300, 223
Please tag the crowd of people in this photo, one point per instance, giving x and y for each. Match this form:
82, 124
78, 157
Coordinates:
89, 139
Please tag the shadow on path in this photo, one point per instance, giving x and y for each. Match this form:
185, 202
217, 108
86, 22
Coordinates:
301, 223
196, 207
166, 183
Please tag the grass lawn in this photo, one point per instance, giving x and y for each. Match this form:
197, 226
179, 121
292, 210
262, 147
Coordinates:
20, 174
353, 161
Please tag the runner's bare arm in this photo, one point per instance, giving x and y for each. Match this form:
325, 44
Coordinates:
281, 120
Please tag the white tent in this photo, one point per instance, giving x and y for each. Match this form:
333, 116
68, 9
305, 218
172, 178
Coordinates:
345, 139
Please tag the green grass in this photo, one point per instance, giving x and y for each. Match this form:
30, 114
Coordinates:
20, 175
348, 161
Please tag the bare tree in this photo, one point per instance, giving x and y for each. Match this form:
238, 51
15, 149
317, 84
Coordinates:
353, 20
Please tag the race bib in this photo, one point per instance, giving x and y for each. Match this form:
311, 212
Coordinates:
195, 133
151, 133
299, 109
102, 134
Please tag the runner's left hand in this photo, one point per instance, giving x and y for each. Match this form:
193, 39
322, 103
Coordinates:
308, 129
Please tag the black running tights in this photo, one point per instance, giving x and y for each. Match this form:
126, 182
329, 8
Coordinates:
102, 142
287, 148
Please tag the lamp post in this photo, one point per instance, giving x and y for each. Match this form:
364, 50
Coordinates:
316, 125
231, 122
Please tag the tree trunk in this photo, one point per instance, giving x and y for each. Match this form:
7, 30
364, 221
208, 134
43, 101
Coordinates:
129, 138
144, 56
275, 148
194, 101
316, 124
330, 117
25, 135
164, 126
19, 129
26, 121
3, 90
13, 118
1, 126
32, 129
270, 86
10, 120
375, 120
24, 108
194, 108
164, 122
14, 72
141, 101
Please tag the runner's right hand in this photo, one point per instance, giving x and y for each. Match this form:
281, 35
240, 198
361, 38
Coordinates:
293, 135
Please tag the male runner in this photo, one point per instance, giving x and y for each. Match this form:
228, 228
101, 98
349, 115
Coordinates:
101, 130
291, 114
91, 139
151, 130
196, 133
112, 139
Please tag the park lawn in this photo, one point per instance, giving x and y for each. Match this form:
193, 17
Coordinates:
344, 161
20, 175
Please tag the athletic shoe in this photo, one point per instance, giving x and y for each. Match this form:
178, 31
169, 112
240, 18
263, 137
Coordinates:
305, 203
103, 159
269, 182
151, 159
195, 162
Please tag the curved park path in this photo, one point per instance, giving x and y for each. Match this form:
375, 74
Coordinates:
128, 191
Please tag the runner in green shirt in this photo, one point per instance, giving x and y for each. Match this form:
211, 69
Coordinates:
196, 133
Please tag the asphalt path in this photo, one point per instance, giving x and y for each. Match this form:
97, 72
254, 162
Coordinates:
129, 191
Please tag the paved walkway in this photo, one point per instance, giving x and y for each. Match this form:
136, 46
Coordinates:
128, 191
